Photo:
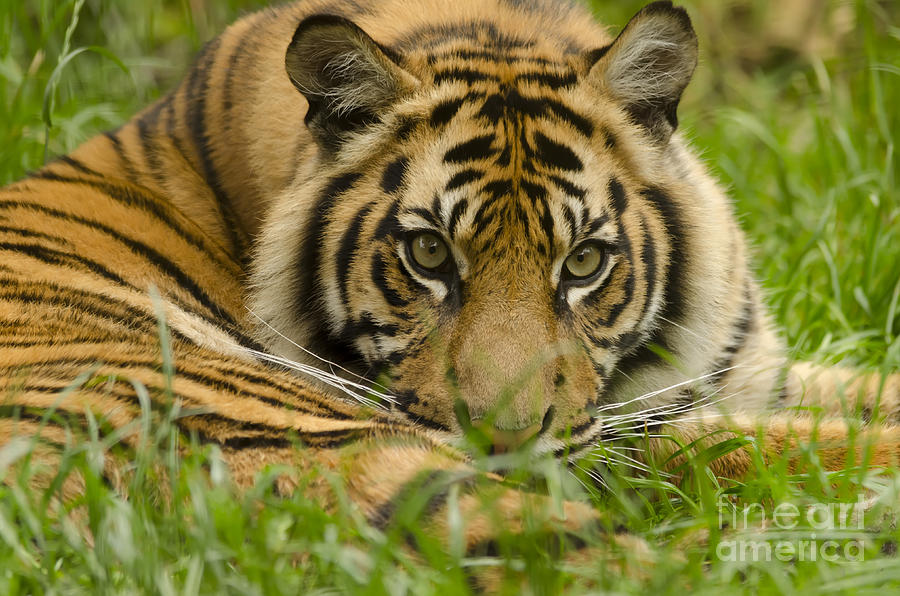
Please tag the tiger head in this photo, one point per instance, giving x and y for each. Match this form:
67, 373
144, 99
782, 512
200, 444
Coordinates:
484, 227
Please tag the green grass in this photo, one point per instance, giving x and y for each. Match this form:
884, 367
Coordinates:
800, 124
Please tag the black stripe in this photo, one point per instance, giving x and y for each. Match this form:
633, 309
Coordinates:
547, 224
379, 278
610, 139
405, 128
548, 79
389, 224
435, 484
241, 443
477, 148
309, 260
140, 249
147, 131
569, 116
309, 403
498, 189
567, 187
490, 55
349, 245
58, 415
195, 116
409, 398
238, 52
541, 106
494, 108
425, 214
741, 328
393, 175
572, 223
595, 224
455, 215
217, 383
60, 258
78, 165
528, 106
445, 111
146, 203
615, 310
535, 192
462, 178
32, 234
617, 194
466, 75
113, 311
127, 166
555, 154
173, 130
648, 258
48, 342
367, 325
504, 157
678, 253
673, 293
481, 218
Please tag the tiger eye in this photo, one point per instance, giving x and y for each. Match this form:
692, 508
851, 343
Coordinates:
429, 251
584, 261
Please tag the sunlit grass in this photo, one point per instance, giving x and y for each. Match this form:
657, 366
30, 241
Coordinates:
804, 137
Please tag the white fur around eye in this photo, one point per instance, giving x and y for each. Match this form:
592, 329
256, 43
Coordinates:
437, 287
575, 294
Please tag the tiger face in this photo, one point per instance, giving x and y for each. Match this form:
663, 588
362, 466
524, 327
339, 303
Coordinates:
483, 227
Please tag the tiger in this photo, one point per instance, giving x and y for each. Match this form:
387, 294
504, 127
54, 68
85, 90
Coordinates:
406, 234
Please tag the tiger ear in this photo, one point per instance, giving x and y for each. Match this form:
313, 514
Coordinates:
648, 66
348, 79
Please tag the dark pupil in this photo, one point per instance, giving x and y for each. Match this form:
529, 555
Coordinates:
432, 248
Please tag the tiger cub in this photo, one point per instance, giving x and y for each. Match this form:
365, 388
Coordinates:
476, 217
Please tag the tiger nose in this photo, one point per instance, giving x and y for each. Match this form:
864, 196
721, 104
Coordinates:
506, 441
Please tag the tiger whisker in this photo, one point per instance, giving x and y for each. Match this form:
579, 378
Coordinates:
667, 409
675, 408
661, 391
621, 458
705, 340
639, 423
620, 431
595, 476
582, 483
313, 354
329, 379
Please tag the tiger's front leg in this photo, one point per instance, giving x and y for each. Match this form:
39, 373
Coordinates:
848, 417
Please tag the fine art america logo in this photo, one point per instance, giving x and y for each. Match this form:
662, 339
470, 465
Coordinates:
817, 532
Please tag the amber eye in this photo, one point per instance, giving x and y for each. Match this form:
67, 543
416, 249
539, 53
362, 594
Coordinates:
584, 262
429, 251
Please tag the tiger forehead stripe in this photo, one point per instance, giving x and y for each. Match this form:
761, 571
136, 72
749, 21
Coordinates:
473, 149
456, 214
469, 54
462, 178
617, 194
555, 154
548, 79
509, 101
393, 175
